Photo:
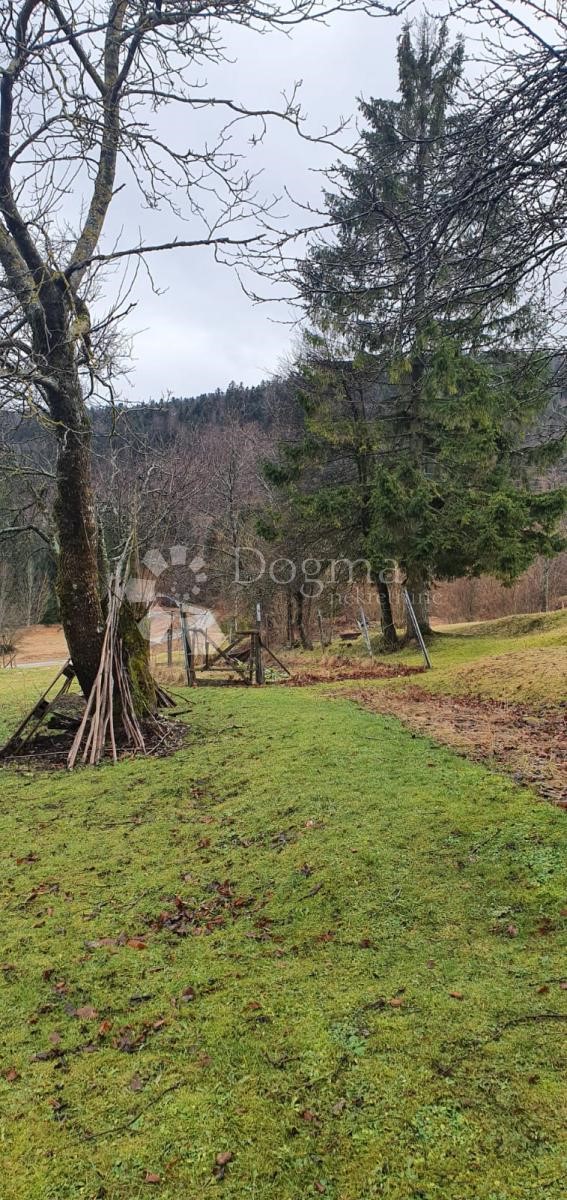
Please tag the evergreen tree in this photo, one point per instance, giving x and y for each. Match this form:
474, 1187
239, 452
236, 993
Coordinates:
449, 382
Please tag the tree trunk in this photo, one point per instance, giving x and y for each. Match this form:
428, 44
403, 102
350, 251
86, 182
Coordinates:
300, 622
82, 568
418, 587
389, 634
78, 565
289, 620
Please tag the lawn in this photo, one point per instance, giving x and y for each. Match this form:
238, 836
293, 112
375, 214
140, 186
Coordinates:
518, 659
357, 994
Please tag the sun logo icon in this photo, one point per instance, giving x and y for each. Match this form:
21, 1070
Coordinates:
141, 589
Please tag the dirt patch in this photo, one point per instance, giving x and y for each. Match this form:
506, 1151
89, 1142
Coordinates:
336, 669
531, 746
48, 749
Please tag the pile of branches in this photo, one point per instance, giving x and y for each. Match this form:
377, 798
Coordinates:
111, 694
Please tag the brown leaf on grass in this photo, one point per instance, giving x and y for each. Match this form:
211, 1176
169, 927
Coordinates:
308, 1115
457, 995
512, 931
543, 990
204, 1060
339, 1107
221, 1162
252, 1005
136, 943
325, 937
188, 994
395, 1002
203, 844
136, 1083
151, 1177
60, 986
104, 1027
86, 1013
319, 1187
11, 1075
366, 944
32, 857
55, 1038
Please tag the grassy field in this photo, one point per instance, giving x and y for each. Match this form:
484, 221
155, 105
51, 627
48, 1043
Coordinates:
357, 995
521, 658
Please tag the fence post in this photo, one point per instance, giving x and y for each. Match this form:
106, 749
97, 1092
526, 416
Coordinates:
415, 624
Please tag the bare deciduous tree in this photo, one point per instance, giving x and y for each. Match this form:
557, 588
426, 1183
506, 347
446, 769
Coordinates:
85, 94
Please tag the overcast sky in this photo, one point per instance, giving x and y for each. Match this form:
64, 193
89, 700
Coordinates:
202, 331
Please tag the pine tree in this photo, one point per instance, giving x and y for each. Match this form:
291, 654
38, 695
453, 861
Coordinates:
444, 362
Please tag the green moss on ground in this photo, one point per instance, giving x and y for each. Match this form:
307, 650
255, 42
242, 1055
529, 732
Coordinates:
312, 1034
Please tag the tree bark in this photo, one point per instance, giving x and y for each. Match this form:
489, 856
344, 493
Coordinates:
389, 633
300, 622
78, 563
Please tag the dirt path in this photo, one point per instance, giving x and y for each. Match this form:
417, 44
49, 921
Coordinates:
531, 746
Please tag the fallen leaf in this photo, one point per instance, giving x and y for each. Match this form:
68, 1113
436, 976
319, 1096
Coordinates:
204, 1060
136, 943
319, 1187
86, 1013
104, 1027
543, 990
223, 1158
55, 1038
221, 1162
203, 844
136, 1084
396, 1001
309, 1115
457, 995
512, 931
339, 1107
188, 994
11, 1075
151, 1177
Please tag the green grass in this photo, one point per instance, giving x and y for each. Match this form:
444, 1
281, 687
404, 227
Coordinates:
372, 867
521, 658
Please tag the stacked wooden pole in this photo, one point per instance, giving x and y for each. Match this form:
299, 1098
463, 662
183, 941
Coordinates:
97, 726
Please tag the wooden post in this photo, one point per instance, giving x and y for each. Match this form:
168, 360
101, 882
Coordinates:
258, 663
170, 644
187, 649
320, 624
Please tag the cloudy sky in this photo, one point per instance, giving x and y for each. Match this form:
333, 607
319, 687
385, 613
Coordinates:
202, 331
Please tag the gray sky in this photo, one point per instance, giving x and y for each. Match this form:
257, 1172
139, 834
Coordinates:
202, 331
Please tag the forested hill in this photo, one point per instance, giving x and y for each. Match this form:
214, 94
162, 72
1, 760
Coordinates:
268, 404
